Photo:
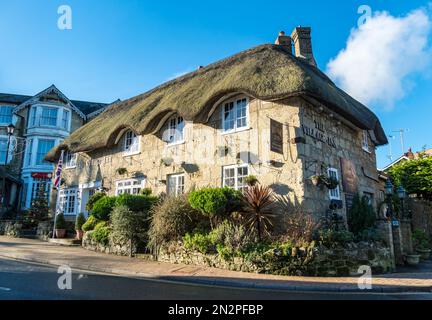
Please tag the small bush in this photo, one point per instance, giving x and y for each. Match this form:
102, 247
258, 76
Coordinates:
368, 235
103, 207
90, 224
211, 202
420, 240
233, 237
361, 216
129, 227
93, 199
101, 233
171, 220
79, 222
331, 238
198, 242
60, 222
136, 203
146, 192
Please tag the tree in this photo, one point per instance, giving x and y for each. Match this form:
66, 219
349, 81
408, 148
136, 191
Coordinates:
415, 176
361, 216
39, 209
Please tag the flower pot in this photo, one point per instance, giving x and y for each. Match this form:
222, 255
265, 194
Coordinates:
60, 233
413, 259
424, 253
79, 234
315, 181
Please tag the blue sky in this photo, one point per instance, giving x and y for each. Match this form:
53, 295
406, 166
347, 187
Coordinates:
118, 49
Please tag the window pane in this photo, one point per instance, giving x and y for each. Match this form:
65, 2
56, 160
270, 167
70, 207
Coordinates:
3, 147
49, 116
229, 116
43, 147
65, 119
6, 114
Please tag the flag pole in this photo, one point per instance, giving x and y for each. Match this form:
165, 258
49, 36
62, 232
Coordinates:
57, 186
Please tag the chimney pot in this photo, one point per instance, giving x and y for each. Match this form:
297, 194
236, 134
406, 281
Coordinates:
284, 41
301, 37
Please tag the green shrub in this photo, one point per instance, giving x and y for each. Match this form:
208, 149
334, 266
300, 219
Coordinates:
90, 224
79, 222
215, 202
129, 226
146, 192
93, 199
103, 207
171, 220
331, 238
60, 222
361, 216
136, 203
368, 235
198, 242
420, 240
232, 236
101, 233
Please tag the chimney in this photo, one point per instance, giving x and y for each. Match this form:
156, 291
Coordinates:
284, 41
303, 44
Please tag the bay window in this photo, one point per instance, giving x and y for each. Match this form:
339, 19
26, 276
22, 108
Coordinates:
49, 117
65, 119
235, 176
42, 149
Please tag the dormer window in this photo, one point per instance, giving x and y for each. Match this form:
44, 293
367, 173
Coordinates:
176, 127
131, 145
6, 114
365, 141
70, 160
235, 115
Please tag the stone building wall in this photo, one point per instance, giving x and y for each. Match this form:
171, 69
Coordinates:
206, 150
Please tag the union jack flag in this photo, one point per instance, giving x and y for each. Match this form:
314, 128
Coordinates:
58, 172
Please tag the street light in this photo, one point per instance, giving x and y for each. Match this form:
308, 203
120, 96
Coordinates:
401, 195
389, 193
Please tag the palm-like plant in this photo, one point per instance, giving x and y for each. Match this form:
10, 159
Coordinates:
258, 209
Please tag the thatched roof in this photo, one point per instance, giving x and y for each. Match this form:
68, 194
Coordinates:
267, 72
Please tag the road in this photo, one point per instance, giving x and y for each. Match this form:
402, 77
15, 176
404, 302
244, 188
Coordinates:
25, 281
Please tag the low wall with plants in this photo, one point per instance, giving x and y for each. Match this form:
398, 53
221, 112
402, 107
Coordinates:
314, 260
11, 228
91, 242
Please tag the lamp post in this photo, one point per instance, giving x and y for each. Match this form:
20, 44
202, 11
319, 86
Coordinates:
402, 195
10, 129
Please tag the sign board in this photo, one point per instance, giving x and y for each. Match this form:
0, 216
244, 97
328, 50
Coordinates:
349, 176
41, 175
276, 136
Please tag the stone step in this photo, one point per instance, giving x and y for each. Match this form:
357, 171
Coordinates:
66, 242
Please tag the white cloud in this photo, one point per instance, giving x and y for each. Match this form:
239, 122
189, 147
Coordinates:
382, 55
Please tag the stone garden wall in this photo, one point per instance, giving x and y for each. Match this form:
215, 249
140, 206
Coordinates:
109, 248
312, 261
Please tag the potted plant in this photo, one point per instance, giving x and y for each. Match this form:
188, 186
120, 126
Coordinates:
79, 222
331, 183
413, 259
122, 171
60, 228
316, 180
421, 244
251, 180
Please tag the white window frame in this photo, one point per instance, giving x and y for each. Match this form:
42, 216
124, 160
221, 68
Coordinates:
179, 184
70, 160
365, 141
236, 177
334, 194
134, 147
236, 118
6, 115
176, 130
67, 198
130, 186
41, 118
7, 152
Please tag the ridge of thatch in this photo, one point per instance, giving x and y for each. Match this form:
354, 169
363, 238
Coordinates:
267, 72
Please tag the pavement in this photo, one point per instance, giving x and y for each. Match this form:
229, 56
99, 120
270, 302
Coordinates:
417, 279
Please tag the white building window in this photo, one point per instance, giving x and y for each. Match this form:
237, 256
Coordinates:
6, 114
49, 117
131, 145
176, 184
132, 186
68, 201
33, 112
70, 160
65, 119
235, 176
335, 193
365, 141
43, 147
40, 186
176, 127
235, 115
